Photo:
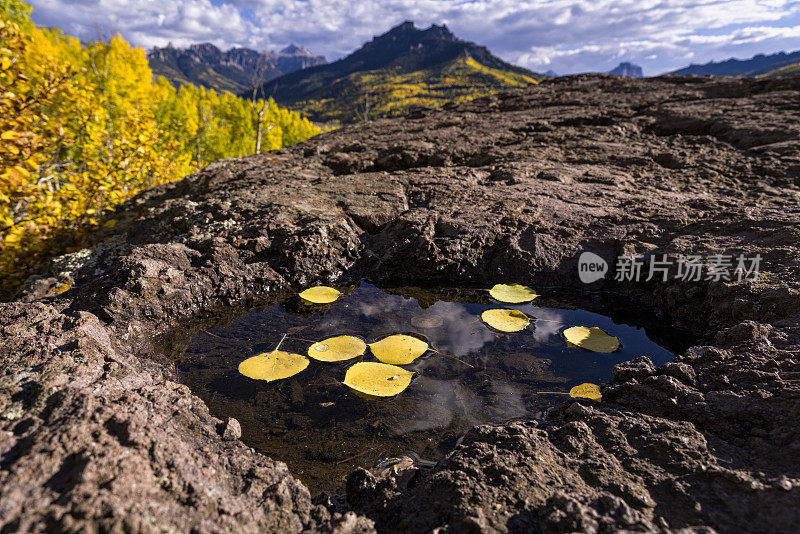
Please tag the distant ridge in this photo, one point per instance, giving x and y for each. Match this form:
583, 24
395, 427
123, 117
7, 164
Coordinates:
757, 65
234, 70
404, 68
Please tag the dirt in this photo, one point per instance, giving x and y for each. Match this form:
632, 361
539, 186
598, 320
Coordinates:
96, 435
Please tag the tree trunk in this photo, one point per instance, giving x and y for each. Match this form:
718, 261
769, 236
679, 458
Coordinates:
259, 123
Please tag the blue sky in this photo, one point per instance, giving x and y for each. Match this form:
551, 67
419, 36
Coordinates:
566, 36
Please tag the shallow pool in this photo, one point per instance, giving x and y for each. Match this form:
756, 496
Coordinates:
322, 430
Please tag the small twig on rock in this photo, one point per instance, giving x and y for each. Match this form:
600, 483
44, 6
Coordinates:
359, 454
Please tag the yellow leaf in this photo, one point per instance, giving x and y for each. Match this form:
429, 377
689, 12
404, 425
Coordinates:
337, 349
60, 288
589, 391
591, 338
275, 365
398, 349
18, 174
506, 320
377, 379
9, 135
512, 293
320, 294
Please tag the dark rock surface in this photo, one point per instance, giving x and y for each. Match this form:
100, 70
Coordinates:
95, 433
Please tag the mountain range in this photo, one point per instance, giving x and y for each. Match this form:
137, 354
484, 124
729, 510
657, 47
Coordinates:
395, 72
759, 65
236, 70
403, 69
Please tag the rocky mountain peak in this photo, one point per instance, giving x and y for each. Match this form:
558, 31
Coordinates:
402, 50
628, 69
294, 50
207, 65
440, 32
407, 33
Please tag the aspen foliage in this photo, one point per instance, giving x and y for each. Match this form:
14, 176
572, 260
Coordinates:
84, 127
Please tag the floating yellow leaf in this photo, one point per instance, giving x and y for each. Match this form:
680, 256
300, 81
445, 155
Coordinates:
337, 349
589, 391
274, 365
398, 349
591, 338
377, 379
320, 294
506, 320
512, 293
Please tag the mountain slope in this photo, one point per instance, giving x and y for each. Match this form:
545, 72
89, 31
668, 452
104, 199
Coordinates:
787, 70
235, 70
395, 72
755, 66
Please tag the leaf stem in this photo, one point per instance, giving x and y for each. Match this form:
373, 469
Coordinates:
451, 357
279, 343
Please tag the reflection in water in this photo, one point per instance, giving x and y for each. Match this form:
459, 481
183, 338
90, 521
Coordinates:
548, 324
462, 332
321, 430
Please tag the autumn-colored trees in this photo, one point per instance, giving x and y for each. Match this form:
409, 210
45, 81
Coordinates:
217, 125
84, 127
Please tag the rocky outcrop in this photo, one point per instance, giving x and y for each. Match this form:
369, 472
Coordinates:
96, 434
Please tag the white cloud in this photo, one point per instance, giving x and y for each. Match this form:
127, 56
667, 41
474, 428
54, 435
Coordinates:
563, 35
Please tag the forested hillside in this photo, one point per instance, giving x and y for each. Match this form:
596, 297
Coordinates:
84, 127
784, 71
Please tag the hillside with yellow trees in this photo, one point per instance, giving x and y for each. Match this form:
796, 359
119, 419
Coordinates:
84, 127
404, 69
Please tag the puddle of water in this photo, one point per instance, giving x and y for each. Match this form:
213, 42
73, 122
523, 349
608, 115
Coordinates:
321, 430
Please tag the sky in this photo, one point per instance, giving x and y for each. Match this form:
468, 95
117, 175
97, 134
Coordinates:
565, 36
